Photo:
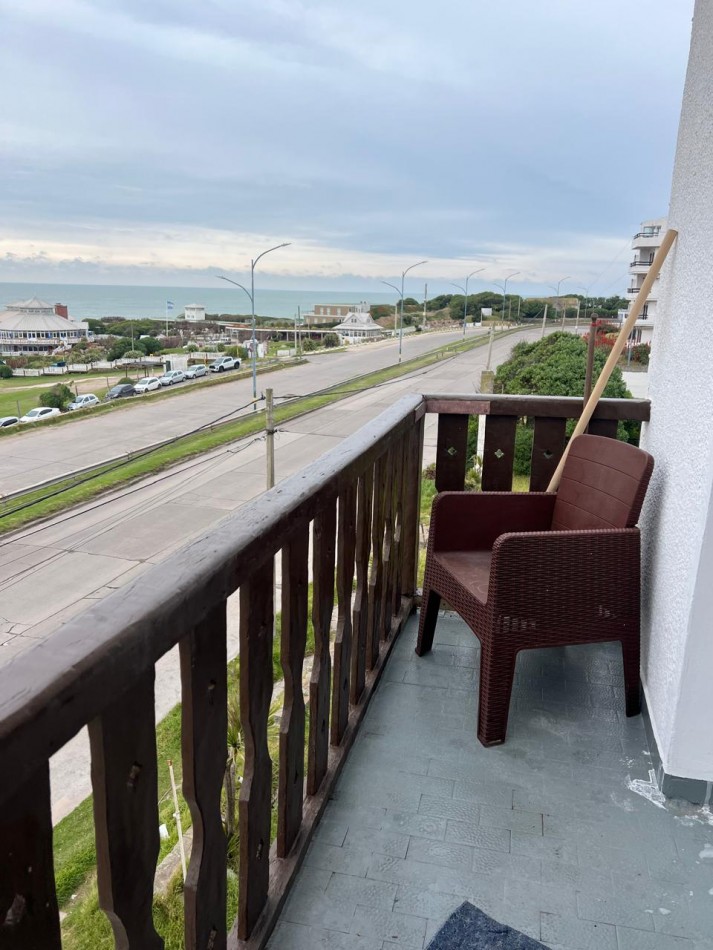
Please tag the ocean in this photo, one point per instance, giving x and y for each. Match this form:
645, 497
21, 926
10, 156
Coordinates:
85, 300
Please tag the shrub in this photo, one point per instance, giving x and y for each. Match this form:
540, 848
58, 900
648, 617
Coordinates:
641, 353
309, 345
125, 379
59, 397
330, 340
5, 372
192, 348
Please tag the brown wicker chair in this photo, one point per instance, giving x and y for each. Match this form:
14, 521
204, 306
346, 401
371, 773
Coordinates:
529, 570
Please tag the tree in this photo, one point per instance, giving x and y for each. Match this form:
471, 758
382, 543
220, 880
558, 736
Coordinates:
411, 302
555, 366
118, 348
5, 371
134, 355
150, 345
59, 397
92, 355
330, 340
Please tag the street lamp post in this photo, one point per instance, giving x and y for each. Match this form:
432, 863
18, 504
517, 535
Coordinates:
465, 292
251, 295
504, 286
559, 284
401, 292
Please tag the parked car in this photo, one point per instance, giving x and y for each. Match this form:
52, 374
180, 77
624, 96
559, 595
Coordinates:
83, 402
146, 385
41, 412
171, 377
119, 391
223, 363
193, 372
6, 421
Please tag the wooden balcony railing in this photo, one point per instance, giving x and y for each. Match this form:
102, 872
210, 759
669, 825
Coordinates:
360, 504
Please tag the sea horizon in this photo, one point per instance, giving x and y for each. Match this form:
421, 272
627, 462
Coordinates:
139, 301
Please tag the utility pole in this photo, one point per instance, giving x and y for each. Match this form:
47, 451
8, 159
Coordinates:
425, 301
490, 347
270, 438
544, 321
590, 358
299, 330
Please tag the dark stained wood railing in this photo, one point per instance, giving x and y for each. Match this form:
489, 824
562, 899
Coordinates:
360, 502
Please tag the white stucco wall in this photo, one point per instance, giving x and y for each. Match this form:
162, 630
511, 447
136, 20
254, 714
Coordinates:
677, 522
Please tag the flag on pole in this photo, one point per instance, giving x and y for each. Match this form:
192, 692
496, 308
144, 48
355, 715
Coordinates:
169, 305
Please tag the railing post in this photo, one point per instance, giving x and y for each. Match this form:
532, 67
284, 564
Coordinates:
346, 542
325, 525
256, 629
411, 510
204, 742
125, 784
361, 595
29, 916
451, 452
295, 572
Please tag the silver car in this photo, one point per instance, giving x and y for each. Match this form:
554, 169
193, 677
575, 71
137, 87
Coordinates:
198, 369
171, 377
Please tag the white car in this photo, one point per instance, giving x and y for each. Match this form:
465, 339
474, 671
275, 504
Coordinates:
171, 377
83, 402
147, 385
223, 363
42, 412
198, 369
6, 421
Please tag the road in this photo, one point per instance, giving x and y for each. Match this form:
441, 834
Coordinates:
53, 571
33, 457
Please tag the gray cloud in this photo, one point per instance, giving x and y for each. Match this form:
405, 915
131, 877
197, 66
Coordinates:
446, 130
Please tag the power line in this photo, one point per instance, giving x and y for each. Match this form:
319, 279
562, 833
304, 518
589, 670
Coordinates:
131, 491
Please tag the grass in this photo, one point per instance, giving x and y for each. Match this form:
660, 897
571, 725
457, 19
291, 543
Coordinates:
74, 490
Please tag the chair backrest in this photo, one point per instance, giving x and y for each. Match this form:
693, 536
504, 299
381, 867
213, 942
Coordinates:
603, 485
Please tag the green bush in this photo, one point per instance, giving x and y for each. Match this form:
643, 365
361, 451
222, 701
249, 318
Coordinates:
309, 345
5, 372
125, 379
59, 397
330, 340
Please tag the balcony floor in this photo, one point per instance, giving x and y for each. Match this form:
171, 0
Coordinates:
552, 832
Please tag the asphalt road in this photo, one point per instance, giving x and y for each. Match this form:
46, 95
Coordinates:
53, 571
33, 457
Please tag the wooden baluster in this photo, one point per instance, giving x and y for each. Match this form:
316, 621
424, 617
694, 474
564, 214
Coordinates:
256, 629
451, 452
29, 916
204, 741
547, 448
361, 596
387, 566
412, 510
295, 573
499, 453
606, 427
125, 784
325, 526
398, 514
346, 544
376, 579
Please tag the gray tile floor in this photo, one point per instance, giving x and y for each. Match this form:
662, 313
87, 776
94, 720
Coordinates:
557, 832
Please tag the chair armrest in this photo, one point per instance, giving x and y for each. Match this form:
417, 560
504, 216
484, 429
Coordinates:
563, 571
471, 521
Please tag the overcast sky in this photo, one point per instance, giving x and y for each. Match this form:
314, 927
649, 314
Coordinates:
162, 141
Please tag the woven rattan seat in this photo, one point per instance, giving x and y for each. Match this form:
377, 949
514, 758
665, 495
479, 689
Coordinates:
530, 569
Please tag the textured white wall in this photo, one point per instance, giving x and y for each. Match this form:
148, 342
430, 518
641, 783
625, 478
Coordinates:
677, 666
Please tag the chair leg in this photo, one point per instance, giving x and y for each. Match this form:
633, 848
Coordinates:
497, 670
430, 603
630, 649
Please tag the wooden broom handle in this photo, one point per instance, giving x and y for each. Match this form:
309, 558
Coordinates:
626, 329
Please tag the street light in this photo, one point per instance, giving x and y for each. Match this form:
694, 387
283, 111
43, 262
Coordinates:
586, 289
465, 291
504, 285
251, 295
401, 292
559, 284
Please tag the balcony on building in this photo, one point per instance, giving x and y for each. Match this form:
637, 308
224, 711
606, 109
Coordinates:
400, 813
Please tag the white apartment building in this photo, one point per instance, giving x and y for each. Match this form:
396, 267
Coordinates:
194, 313
645, 243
